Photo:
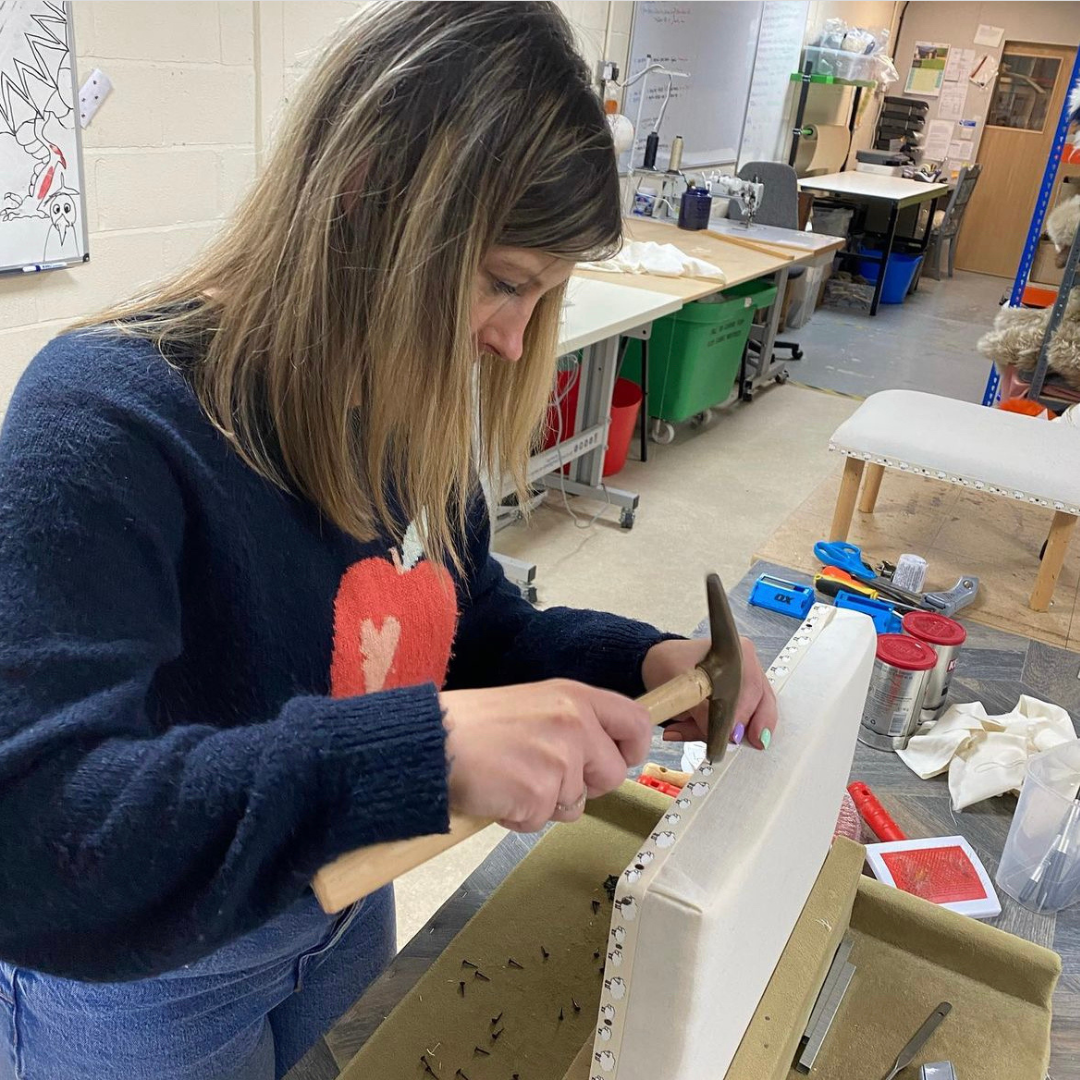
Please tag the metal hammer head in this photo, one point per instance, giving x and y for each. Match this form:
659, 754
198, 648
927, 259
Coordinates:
723, 665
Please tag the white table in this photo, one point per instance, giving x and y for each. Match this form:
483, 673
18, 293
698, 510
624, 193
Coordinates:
596, 314
896, 192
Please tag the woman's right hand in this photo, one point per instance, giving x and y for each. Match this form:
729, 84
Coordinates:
528, 754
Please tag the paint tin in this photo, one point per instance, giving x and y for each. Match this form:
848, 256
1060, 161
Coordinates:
893, 702
944, 636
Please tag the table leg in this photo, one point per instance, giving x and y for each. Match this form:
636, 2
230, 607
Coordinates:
925, 242
644, 399
890, 237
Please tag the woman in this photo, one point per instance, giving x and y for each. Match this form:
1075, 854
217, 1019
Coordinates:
250, 618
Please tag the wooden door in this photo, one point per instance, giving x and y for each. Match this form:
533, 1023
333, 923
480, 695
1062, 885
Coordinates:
1020, 123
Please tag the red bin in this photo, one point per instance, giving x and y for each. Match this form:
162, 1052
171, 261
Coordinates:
625, 406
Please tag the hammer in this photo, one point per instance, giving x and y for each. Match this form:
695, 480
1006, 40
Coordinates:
716, 679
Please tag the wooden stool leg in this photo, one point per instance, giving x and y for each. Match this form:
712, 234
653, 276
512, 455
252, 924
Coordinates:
871, 488
845, 501
1056, 545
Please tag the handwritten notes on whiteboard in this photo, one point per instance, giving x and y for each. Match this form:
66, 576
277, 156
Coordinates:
765, 133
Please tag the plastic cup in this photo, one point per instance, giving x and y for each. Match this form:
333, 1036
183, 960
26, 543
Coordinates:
1040, 864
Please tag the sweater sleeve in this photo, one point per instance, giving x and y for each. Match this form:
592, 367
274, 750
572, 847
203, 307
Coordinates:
502, 639
130, 842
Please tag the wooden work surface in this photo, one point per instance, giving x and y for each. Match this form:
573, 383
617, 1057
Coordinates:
738, 263
958, 531
993, 667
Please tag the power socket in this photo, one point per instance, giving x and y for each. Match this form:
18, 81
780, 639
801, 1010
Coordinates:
94, 91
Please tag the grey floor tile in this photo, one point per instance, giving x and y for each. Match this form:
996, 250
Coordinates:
927, 343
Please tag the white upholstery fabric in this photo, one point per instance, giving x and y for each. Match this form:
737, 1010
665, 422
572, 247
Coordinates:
1019, 457
703, 913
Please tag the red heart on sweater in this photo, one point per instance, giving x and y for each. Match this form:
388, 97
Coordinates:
393, 626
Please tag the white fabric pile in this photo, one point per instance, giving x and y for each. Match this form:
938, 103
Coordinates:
986, 755
665, 260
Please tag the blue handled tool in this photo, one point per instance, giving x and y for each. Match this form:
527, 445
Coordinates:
886, 620
846, 556
786, 597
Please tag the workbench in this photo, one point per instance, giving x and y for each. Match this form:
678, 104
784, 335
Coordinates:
993, 667
596, 314
744, 253
895, 193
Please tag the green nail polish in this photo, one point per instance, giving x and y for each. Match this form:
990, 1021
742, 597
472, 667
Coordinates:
766, 738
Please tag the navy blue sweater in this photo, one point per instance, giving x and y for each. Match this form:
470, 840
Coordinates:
206, 690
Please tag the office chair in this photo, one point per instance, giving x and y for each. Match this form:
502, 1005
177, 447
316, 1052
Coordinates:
780, 207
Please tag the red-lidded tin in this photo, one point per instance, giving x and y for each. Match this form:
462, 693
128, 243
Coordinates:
891, 713
944, 636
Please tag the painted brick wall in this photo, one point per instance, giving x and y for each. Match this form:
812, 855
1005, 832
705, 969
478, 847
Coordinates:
197, 86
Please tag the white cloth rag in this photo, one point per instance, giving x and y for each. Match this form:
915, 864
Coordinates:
665, 260
986, 755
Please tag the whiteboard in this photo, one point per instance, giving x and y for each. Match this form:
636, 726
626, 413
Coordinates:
42, 199
717, 44
767, 130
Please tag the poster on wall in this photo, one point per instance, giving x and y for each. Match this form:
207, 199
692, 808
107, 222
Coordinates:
927, 68
42, 203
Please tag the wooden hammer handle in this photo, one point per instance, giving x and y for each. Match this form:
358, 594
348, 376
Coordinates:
357, 873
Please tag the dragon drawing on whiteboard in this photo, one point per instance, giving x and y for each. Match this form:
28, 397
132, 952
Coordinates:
38, 179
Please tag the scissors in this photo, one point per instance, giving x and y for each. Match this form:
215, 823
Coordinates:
844, 556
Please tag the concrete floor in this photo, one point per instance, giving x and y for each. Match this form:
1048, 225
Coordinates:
926, 343
711, 498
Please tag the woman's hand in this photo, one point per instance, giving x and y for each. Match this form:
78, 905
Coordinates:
525, 755
755, 714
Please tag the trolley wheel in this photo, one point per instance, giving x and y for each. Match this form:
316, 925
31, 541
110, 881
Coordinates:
782, 376
529, 592
746, 391
796, 354
626, 519
663, 432
701, 418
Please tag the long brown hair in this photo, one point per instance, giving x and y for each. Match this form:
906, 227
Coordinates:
330, 319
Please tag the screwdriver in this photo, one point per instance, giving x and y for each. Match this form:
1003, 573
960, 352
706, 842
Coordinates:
831, 583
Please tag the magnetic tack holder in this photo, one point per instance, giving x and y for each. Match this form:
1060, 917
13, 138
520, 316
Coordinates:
786, 597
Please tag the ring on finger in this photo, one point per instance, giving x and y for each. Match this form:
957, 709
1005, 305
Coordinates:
577, 804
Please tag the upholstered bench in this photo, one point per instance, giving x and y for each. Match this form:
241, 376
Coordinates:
1016, 457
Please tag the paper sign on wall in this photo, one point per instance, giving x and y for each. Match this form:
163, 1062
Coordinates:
938, 137
990, 36
961, 150
984, 72
952, 101
927, 68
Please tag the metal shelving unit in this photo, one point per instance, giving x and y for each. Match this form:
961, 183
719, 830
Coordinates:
807, 78
1031, 244
1039, 390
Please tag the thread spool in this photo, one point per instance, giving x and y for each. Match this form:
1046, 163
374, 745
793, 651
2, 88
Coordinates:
675, 160
652, 143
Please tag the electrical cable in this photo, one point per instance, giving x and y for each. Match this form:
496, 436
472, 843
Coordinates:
561, 397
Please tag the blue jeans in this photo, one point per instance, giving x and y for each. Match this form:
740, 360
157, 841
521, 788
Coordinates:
249, 1011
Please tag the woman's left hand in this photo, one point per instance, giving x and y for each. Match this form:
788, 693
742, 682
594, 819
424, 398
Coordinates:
755, 714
